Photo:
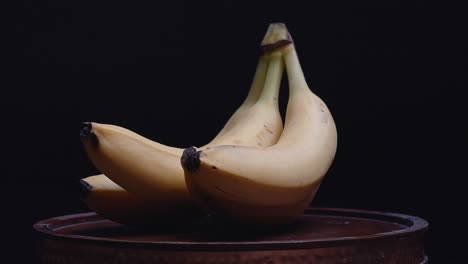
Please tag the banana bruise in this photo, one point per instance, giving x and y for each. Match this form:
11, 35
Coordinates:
152, 171
265, 187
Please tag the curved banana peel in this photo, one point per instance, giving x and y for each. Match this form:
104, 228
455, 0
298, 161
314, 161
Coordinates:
273, 185
152, 172
111, 201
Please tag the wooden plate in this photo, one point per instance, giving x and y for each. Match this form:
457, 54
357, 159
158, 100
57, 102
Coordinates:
321, 235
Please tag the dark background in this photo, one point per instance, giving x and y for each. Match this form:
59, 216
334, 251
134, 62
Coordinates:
175, 72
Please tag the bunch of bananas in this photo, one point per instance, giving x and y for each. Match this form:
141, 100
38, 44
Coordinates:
253, 173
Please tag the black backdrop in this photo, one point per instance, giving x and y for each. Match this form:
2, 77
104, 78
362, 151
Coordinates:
175, 72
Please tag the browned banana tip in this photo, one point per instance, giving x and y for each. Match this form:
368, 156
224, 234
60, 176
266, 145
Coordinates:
190, 159
85, 189
276, 37
86, 133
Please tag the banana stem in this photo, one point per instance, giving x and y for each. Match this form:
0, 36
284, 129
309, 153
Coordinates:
278, 39
296, 79
277, 36
273, 79
258, 81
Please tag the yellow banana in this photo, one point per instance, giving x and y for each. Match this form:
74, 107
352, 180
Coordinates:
152, 171
113, 202
268, 186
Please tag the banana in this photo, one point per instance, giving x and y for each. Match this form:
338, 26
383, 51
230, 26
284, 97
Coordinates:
152, 171
266, 187
111, 201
